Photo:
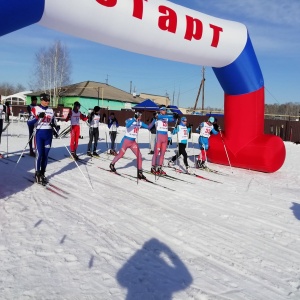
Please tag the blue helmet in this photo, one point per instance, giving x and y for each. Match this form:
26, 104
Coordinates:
183, 119
211, 119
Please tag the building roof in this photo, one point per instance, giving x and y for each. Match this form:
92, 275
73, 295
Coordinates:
92, 89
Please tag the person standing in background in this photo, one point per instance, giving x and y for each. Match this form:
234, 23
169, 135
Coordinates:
75, 116
94, 121
113, 124
31, 126
7, 111
2, 116
153, 133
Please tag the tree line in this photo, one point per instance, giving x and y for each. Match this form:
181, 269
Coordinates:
52, 70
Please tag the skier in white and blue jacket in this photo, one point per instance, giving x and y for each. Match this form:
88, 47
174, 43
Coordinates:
132, 127
182, 133
44, 122
206, 129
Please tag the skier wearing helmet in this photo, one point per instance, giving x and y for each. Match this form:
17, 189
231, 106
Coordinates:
206, 129
132, 126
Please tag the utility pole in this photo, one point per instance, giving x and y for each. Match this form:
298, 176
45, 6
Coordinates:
203, 80
199, 91
106, 80
130, 86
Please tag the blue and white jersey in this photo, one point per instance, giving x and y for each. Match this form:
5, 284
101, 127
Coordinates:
132, 128
162, 123
45, 122
182, 132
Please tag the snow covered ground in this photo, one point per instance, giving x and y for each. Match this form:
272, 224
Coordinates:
238, 239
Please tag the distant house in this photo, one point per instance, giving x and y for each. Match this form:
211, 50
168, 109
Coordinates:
160, 100
16, 99
91, 93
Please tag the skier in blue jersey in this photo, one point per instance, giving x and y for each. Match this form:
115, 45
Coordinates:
133, 126
182, 133
43, 120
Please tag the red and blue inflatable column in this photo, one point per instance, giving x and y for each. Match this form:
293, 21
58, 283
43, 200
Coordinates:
247, 145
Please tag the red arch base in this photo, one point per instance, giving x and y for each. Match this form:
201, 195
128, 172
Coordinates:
246, 144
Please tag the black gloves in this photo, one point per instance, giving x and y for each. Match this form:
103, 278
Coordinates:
175, 115
41, 115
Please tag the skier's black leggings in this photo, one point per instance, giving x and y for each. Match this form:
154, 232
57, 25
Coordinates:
113, 135
94, 135
181, 148
1, 128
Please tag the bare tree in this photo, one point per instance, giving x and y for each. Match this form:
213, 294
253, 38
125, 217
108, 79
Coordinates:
7, 89
52, 70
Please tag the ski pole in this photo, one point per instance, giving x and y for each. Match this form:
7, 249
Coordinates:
31, 137
7, 143
137, 158
226, 151
177, 155
74, 161
106, 143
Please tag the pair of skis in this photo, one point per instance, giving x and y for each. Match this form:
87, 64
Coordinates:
52, 188
193, 174
133, 178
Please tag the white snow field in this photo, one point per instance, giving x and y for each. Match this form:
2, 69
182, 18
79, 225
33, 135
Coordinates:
104, 236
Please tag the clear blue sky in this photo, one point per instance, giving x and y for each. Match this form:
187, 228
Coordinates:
274, 28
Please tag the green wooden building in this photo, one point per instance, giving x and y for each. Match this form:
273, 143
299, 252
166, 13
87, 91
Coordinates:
90, 94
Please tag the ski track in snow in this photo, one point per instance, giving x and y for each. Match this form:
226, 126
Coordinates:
123, 240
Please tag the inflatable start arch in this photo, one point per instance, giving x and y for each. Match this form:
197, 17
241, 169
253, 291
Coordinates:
162, 29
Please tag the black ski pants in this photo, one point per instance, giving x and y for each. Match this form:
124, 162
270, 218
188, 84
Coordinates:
181, 150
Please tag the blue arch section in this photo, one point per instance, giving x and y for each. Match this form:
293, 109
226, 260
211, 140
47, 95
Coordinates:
16, 14
242, 76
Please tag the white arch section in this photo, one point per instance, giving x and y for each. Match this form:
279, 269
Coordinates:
155, 28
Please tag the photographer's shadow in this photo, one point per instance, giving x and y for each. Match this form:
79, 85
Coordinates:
154, 272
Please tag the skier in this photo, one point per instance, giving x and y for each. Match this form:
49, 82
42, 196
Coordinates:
153, 133
182, 135
2, 116
7, 112
161, 144
112, 125
75, 116
206, 129
94, 120
132, 126
44, 120
31, 127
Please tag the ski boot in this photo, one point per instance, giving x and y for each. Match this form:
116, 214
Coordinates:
89, 153
95, 154
160, 171
170, 163
74, 156
153, 170
112, 167
44, 180
141, 175
32, 153
37, 177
